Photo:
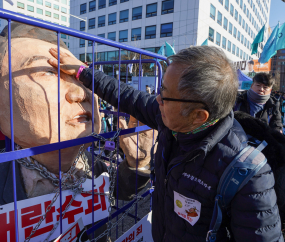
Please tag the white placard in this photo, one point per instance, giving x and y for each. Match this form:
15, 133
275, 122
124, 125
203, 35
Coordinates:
187, 208
140, 232
31, 210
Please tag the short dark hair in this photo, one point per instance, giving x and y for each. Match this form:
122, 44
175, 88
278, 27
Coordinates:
207, 76
251, 62
264, 78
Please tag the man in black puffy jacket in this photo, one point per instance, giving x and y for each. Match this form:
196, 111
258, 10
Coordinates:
198, 138
258, 102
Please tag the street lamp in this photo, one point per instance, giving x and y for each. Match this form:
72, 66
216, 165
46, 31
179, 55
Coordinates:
85, 32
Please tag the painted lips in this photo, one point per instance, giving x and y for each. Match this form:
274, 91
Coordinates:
80, 118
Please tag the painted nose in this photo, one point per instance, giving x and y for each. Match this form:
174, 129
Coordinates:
75, 94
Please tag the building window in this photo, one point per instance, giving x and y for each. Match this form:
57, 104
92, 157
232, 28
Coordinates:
122, 1
112, 18
101, 21
232, 10
213, 12
137, 13
91, 24
238, 36
64, 2
63, 10
150, 32
225, 23
235, 32
211, 34
220, 18
151, 10
30, 8
21, 5
167, 7
224, 43
48, 4
82, 25
56, 16
48, 13
243, 23
241, 52
242, 39
124, 16
63, 18
40, 11
166, 30
123, 36
102, 4
102, 36
63, 36
136, 34
92, 6
239, 20
83, 8
230, 28
82, 43
236, 15
90, 43
112, 2
218, 39
229, 46
31, 1
234, 49
112, 36
221, 2
40, 2
56, 7
227, 5
82, 57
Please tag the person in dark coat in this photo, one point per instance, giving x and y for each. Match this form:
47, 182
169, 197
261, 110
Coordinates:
258, 102
198, 138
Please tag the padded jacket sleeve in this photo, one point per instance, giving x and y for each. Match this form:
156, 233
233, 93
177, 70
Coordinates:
276, 120
254, 211
140, 105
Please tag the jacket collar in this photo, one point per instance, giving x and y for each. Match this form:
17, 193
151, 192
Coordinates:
208, 138
8, 196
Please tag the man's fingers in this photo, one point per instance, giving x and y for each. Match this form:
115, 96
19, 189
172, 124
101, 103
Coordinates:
53, 62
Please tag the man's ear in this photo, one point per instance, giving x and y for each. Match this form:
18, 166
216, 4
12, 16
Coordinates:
200, 116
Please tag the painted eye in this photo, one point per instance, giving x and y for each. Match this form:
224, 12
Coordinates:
49, 73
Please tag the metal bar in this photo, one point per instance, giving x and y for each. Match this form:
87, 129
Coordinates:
113, 112
5, 14
58, 117
129, 214
18, 154
118, 139
12, 131
123, 209
93, 219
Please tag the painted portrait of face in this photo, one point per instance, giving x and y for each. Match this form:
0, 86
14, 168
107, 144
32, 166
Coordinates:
35, 98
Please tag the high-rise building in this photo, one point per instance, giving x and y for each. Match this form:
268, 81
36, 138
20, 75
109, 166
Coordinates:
229, 24
54, 11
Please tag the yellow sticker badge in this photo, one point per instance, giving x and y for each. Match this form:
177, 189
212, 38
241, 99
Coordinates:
179, 204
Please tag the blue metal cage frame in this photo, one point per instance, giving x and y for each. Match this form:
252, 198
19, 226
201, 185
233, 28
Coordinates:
11, 154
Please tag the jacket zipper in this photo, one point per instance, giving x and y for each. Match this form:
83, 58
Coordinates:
167, 175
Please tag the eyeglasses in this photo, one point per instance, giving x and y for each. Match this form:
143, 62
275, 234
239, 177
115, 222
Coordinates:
180, 100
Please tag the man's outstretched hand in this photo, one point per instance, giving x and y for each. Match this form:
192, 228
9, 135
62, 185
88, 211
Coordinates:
68, 64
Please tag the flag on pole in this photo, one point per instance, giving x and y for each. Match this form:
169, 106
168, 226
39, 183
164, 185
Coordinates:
258, 39
160, 52
280, 39
269, 48
169, 50
205, 42
130, 66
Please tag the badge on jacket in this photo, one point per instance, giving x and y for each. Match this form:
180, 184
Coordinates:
187, 208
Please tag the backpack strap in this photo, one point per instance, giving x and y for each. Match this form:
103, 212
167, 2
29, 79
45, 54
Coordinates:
243, 167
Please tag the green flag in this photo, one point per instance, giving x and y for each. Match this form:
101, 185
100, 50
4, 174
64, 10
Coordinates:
205, 42
258, 39
280, 39
169, 50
